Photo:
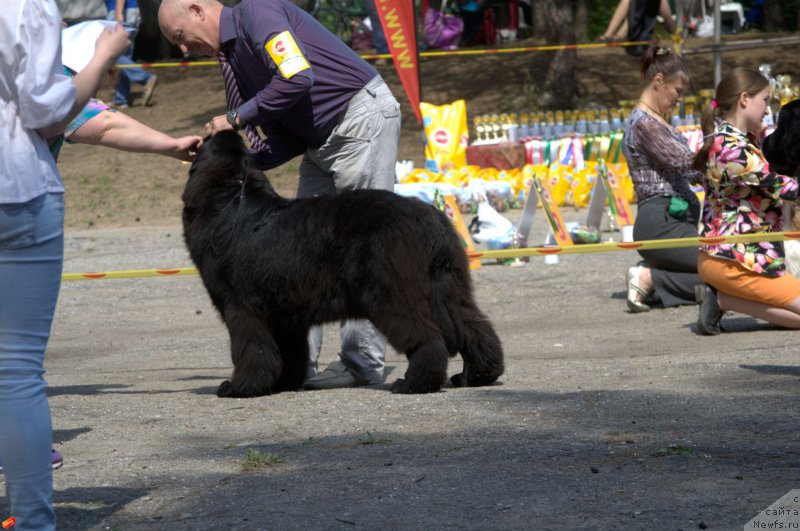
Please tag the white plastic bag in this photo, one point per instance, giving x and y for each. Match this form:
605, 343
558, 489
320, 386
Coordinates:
706, 27
490, 225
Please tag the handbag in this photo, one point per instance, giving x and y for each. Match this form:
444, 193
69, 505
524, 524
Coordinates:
442, 30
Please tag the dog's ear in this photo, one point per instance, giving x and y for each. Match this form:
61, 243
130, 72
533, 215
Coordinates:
782, 147
221, 160
771, 148
222, 156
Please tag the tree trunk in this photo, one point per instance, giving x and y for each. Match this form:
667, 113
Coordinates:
560, 89
538, 19
581, 21
773, 15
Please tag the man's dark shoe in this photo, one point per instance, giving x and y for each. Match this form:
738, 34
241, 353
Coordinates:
336, 376
709, 314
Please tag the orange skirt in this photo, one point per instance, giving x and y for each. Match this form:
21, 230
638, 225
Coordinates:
731, 278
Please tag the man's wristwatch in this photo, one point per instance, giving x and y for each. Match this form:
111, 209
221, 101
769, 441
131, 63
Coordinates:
233, 116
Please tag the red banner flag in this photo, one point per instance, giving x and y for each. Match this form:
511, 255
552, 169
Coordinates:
398, 21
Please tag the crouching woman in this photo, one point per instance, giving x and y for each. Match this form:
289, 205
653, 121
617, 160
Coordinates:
742, 196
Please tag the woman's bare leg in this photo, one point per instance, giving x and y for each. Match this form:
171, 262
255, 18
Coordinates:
787, 317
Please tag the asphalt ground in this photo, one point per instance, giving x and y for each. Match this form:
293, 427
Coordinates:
603, 420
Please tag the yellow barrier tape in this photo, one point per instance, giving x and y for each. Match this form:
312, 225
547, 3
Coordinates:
443, 53
671, 243
173, 64
135, 273
544, 48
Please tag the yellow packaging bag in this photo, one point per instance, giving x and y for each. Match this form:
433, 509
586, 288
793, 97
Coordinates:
418, 175
525, 178
558, 182
446, 135
581, 187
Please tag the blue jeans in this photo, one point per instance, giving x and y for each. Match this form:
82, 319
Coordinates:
31, 259
378, 37
128, 76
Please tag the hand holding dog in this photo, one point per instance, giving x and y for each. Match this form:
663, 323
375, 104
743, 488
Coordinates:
185, 148
217, 124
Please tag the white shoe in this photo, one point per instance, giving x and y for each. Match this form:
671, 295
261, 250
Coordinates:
635, 305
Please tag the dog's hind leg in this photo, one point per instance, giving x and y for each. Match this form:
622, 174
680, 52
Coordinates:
427, 368
257, 364
410, 329
481, 350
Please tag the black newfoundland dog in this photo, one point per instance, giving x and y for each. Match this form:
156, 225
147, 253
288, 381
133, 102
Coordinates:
782, 147
782, 151
274, 267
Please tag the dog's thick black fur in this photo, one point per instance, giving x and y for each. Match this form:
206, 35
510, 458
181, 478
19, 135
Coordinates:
274, 267
782, 147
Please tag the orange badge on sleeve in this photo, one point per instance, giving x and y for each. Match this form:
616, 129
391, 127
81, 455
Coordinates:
286, 54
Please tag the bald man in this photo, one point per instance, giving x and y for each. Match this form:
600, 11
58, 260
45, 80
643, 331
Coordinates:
309, 94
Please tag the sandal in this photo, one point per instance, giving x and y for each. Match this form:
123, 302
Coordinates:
634, 304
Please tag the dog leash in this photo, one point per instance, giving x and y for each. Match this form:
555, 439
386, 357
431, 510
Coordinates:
238, 210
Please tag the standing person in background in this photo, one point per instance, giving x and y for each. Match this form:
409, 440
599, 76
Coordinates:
642, 16
312, 95
378, 35
37, 101
660, 165
127, 12
635, 20
743, 196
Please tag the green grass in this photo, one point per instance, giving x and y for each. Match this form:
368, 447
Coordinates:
256, 460
673, 449
95, 195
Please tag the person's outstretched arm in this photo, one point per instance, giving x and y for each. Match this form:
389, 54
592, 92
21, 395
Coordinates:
119, 131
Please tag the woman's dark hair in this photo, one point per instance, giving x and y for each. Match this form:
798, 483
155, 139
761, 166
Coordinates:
658, 60
726, 98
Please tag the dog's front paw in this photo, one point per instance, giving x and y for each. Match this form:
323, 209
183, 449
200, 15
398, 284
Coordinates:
458, 380
400, 387
225, 389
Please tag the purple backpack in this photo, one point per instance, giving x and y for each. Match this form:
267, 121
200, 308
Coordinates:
442, 30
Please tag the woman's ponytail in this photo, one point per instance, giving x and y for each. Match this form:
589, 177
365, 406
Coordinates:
708, 124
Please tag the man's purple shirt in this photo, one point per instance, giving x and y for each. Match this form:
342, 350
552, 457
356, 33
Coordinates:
301, 111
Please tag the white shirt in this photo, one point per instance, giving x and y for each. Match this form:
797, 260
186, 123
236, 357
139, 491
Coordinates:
34, 93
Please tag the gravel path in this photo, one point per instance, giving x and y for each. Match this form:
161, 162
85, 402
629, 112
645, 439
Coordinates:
604, 419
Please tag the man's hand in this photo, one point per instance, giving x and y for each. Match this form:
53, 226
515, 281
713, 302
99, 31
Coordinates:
217, 124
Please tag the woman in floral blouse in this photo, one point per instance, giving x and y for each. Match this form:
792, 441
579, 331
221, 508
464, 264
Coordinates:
742, 197
660, 164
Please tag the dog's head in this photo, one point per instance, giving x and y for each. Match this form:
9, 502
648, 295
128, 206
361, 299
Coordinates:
222, 156
219, 170
782, 147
